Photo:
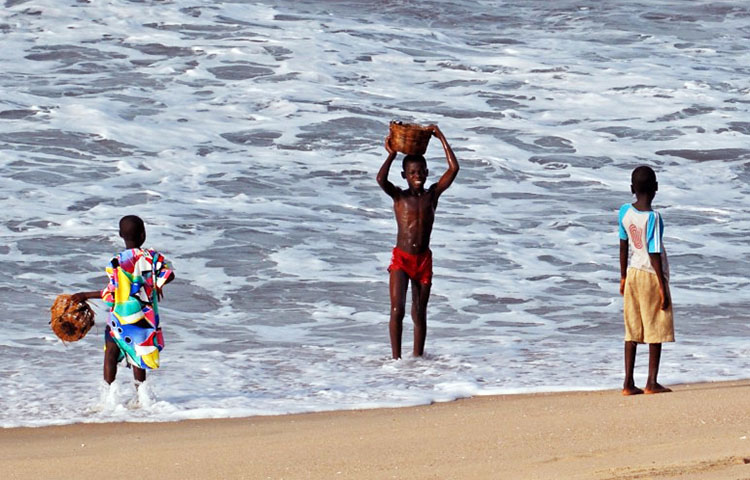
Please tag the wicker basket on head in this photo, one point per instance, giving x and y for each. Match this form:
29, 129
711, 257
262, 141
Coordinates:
410, 138
71, 321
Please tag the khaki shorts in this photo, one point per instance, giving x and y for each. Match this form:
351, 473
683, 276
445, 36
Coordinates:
645, 321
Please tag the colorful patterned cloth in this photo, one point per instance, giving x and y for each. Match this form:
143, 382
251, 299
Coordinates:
132, 299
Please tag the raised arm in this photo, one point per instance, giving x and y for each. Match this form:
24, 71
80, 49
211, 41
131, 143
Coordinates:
382, 177
447, 179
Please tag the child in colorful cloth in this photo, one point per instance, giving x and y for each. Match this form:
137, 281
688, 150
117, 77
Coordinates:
644, 281
136, 278
412, 258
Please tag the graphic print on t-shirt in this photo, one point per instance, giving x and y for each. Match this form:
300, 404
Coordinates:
636, 234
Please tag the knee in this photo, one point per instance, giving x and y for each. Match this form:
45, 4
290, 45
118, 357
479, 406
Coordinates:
419, 308
397, 313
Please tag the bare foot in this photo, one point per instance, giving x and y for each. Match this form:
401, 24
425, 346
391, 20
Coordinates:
631, 391
656, 388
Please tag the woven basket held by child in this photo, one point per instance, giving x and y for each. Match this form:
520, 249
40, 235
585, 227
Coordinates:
71, 321
410, 138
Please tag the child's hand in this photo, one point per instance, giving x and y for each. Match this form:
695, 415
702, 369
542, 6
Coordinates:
388, 147
159, 293
622, 286
79, 297
665, 299
436, 131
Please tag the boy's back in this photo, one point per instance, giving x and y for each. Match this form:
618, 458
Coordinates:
135, 276
643, 230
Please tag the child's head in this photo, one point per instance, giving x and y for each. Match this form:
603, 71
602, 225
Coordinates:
413, 159
643, 181
133, 230
414, 170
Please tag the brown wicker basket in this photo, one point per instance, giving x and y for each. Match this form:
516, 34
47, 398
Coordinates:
71, 321
410, 138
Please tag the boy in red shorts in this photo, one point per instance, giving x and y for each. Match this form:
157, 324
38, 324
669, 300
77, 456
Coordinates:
412, 258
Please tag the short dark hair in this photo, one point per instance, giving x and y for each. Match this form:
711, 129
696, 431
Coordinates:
413, 159
643, 180
132, 227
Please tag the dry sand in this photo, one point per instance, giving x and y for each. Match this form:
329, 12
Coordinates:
699, 431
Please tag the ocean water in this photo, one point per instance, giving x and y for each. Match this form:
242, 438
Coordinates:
248, 136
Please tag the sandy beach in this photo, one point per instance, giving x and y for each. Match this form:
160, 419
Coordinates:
698, 431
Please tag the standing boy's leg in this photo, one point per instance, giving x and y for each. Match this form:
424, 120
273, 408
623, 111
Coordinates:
399, 282
111, 354
654, 357
629, 388
139, 375
420, 295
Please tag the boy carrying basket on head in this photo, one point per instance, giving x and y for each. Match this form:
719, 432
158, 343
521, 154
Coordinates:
644, 281
412, 258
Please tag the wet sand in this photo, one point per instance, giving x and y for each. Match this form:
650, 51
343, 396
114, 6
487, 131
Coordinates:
699, 431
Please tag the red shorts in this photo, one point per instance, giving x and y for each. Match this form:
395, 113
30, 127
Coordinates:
417, 267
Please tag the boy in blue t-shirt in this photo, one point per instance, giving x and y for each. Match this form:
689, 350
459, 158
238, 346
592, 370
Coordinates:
644, 281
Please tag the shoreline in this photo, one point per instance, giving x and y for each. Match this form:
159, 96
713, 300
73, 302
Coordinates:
699, 430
